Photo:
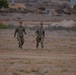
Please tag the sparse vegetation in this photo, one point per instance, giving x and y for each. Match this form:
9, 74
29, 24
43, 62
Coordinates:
32, 61
64, 70
35, 71
21, 70
11, 62
53, 28
28, 62
4, 26
74, 7
15, 73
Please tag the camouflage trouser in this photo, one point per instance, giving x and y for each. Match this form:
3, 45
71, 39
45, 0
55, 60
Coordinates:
39, 40
20, 41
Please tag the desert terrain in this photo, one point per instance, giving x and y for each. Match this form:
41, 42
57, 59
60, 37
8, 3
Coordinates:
57, 58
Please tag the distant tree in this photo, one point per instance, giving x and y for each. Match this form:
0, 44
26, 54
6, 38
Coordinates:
74, 7
3, 3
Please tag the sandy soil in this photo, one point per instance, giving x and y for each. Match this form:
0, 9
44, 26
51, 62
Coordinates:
57, 58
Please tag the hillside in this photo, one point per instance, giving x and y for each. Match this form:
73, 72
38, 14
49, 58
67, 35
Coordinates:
36, 1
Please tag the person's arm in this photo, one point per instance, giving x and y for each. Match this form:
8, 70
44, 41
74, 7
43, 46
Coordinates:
24, 31
43, 33
15, 32
36, 32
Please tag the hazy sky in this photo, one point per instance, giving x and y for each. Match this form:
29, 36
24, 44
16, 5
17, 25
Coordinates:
13, 1
73, 1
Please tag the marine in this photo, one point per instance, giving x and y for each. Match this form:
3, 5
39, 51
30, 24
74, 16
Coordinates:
19, 32
40, 35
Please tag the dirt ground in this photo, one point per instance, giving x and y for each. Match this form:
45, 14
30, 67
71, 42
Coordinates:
57, 58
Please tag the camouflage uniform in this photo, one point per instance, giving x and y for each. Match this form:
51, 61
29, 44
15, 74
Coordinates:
40, 37
20, 37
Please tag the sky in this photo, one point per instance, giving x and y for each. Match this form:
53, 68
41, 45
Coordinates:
12, 1
73, 2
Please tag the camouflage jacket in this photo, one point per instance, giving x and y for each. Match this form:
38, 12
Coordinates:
19, 31
40, 32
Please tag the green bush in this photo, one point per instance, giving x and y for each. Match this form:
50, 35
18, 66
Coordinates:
3, 3
73, 28
74, 7
4, 26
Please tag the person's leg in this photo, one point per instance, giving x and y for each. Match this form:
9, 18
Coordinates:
19, 42
18, 38
42, 42
37, 42
22, 41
